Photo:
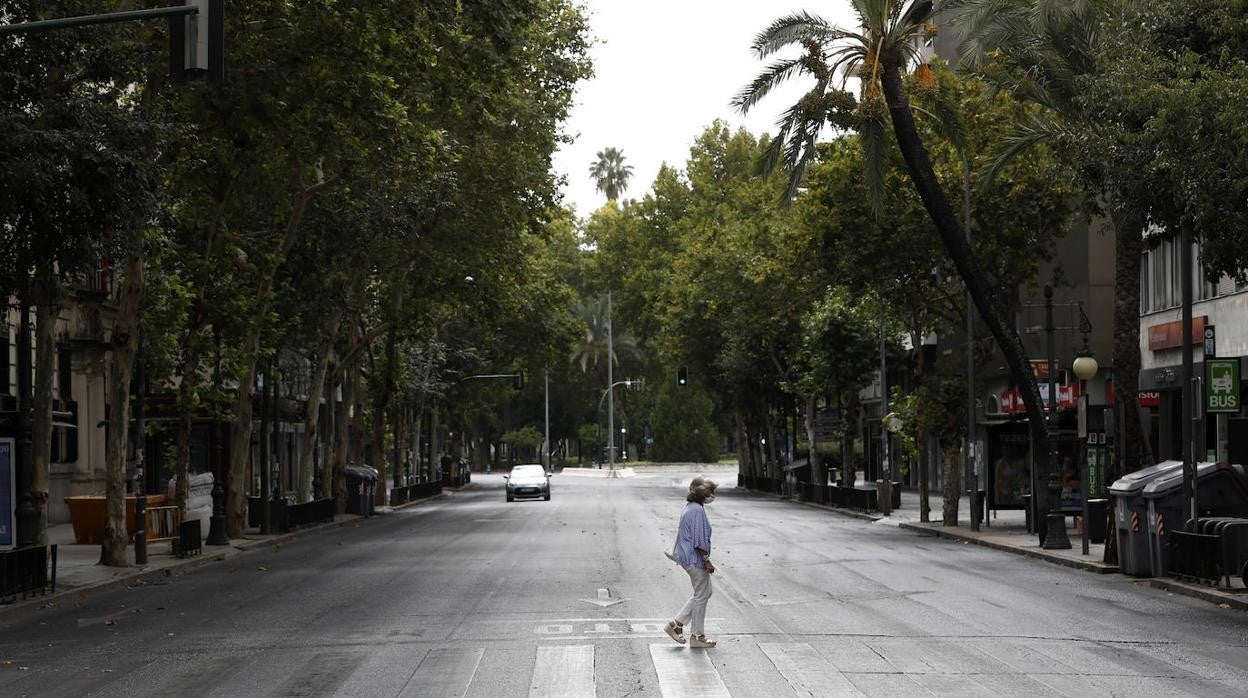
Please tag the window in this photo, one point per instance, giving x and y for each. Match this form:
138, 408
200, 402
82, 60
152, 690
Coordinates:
6, 361
65, 374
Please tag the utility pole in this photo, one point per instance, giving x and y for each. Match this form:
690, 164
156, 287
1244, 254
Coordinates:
1190, 412
546, 433
610, 391
972, 471
24, 463
885, 490
140, 440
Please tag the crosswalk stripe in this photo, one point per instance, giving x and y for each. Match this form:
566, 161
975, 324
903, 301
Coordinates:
564, 671
444, 672
686, 673
807, 671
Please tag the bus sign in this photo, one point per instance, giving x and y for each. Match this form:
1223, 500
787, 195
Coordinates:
1222, 385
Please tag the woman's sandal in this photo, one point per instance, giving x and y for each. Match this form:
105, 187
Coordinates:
700, 641
675, 631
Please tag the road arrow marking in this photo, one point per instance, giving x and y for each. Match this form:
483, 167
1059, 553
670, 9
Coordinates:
604, 599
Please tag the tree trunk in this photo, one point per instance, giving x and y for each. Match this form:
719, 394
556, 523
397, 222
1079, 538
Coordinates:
919, 166
187, 398
343, 419
743, 453
817, 472
1134, 449
925, 467
240, 451
951, 467
1129, 246
48, 304
312, 408
124, 342
329, 452
240, 446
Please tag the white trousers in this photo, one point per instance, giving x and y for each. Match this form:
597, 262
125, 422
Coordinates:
693, 614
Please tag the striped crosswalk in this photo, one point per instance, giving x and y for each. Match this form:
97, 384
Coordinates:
741, 666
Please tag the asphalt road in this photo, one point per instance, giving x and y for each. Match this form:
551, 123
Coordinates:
469, 595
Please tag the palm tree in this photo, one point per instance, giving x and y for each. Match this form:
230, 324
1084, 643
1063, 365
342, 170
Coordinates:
1045, 49
880, 52
610, 173
591, 349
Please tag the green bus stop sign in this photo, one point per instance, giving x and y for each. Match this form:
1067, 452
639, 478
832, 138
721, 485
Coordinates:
1222, 385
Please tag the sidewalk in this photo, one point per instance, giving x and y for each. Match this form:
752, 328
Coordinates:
79, 574
1006, 530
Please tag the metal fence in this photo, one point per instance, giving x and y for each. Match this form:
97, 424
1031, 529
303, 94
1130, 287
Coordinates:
26, 571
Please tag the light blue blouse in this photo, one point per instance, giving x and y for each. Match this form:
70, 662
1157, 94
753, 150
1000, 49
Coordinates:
695, 532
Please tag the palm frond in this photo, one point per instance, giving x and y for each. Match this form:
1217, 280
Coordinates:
873, 137
791, 29
1026, 136
773, 76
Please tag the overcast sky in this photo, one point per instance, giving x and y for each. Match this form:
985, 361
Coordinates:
664, 70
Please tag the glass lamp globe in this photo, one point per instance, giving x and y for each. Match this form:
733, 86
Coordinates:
1085, 367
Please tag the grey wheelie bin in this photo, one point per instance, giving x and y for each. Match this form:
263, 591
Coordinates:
1221, 490
361, 483
1131, 516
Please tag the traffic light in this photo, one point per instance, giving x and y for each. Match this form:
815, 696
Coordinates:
197, 43
682, 376
517, 380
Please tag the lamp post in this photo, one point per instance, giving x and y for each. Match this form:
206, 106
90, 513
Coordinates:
1085, 368
1055, 537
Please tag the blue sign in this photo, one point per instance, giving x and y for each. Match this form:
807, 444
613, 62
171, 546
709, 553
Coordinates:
8, 500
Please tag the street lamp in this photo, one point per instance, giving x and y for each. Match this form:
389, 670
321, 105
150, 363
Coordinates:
1055, 537
1085, 368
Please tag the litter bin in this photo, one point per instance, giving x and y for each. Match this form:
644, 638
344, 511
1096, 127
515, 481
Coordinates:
361, 483
1131, 516
979, 504
1221, 490
1096, 520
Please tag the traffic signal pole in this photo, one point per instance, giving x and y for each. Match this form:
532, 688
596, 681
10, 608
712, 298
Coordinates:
89, 20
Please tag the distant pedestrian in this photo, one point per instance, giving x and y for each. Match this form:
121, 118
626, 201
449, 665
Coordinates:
693, 553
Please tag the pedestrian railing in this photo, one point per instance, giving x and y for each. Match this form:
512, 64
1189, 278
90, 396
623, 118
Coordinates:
1215, 552
27, 571
411, 493
315, 511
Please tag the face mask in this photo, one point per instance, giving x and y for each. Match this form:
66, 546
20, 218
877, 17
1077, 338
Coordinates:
709, 498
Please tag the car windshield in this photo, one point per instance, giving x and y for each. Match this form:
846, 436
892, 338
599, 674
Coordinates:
527, 470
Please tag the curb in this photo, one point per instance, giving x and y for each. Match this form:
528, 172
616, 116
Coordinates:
1087, 566
1222, 599
20, 611
851, 513
600, 474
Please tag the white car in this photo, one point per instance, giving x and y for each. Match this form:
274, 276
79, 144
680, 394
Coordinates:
528, 481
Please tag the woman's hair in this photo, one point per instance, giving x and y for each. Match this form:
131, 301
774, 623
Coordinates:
700, 489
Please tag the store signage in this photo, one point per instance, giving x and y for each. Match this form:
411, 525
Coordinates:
8, 496
1211, 342
1067, 398
1222, 385
1169, 335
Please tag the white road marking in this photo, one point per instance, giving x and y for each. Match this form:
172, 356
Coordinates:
809, 673
604, 599
444, 672
564, 671
686, 673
